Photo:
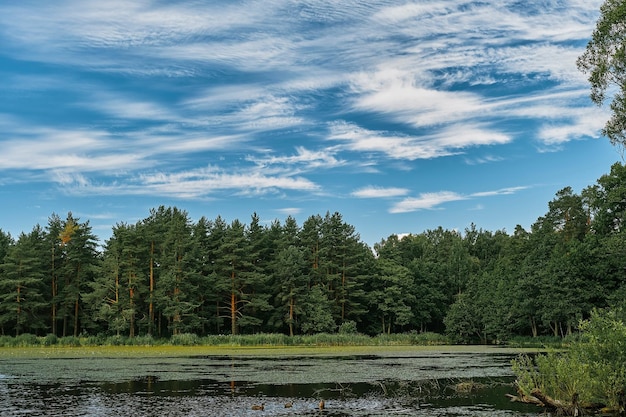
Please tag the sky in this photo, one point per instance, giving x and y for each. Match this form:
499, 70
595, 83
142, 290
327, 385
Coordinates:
403, 116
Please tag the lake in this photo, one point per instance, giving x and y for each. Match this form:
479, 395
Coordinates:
381, 381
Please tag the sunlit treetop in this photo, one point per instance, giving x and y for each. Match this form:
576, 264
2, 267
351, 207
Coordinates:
604, 61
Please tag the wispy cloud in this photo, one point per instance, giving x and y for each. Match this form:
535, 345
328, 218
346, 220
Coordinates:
192, 184
395, 93
289, 211
304, 159
426, 201
379, 192
204, 182
502, 191
431, 201
444, 142
203, 100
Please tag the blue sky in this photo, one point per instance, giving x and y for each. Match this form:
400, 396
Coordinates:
401, 115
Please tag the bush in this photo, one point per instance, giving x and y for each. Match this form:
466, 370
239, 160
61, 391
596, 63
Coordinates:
348, 327
594, 367
26, 339
145, 340
71, 341
185, 339
50, 340
117, 340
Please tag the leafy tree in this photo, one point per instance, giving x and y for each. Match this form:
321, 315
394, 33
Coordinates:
392, 296
79, 263
341, 259
174, 294
155, 227
607, 201
233, 265
285, 238
260, 254
204, 259
293, 282
217, 235
53, 230
21, 284
5, 243
604, 61
310, 238
119, 291
317, 314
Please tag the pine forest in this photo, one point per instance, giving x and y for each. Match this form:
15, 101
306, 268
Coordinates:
167, 275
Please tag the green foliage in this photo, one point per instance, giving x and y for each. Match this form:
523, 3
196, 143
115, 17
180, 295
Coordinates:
166, 275
317, 312
50, 340
69, 341
26, 339
185, 339
348, 327
594, 366
604, 61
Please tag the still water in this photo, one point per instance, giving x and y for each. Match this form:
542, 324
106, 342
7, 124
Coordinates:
406, 383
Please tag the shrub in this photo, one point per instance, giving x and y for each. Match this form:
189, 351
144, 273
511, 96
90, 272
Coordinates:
145, 340
348, 327
71, 341
117, 340
50, 340
594, 367
26, 339
185, 339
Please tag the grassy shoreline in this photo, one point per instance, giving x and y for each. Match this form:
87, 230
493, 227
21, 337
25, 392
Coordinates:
257, 344
180, 351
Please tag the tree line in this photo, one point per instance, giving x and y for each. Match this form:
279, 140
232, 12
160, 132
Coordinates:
166, 275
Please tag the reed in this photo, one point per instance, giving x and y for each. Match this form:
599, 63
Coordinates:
251, 340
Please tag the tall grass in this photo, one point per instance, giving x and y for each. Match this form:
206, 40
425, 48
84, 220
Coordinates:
260, 339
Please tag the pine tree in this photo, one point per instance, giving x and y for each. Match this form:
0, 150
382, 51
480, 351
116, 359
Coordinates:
21, 299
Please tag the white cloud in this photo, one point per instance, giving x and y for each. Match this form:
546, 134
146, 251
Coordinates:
425, 201
503, 191
581, 122
191, 184
379, 192
217, 77
289, 211
395, 93
430, 201
202, 182
304, 159
444, 142
39, 148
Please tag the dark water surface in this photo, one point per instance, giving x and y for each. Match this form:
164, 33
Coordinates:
407, 384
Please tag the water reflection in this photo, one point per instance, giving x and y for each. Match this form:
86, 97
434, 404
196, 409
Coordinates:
369, 386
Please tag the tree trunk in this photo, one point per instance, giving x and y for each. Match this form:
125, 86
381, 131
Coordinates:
233, 303
54, 296
561, 408
76, 316
533, 326
19, 311
291, 301
233, 313
131, 295
151, 305
343, 288
76, 302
